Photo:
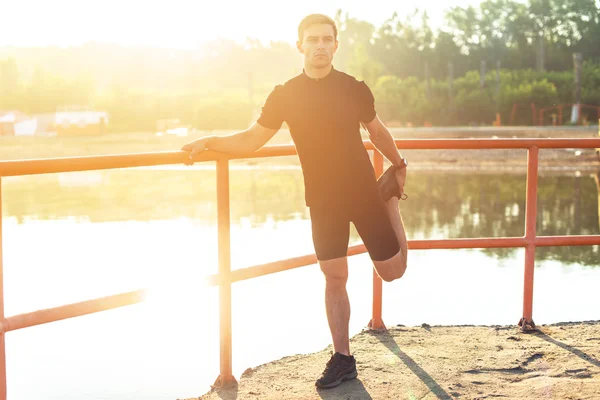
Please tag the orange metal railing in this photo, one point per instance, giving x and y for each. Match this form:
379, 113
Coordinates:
226, 277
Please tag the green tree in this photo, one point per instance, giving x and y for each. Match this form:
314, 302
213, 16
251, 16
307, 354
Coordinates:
355, 53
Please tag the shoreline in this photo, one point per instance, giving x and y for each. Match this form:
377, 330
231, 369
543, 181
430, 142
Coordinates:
560, 360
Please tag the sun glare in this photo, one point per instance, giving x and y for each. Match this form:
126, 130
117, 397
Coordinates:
173, 23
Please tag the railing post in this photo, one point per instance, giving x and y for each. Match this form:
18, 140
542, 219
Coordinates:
2, 333
226, 378
376, 322
526, 323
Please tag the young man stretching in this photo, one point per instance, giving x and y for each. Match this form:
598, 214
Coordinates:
324, 109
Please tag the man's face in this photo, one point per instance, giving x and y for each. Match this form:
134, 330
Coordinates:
318, 45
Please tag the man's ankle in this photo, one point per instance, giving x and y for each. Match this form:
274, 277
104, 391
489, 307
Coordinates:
344, 352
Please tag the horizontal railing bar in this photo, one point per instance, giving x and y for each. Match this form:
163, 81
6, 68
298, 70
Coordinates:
573, 240
474, 144
276, 266
71, 310
89, 163
429, 244
467, 243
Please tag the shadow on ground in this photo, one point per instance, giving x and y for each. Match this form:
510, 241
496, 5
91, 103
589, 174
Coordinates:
353, 390
572, 349
388, 341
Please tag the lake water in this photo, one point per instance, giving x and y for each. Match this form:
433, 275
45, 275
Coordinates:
72, 237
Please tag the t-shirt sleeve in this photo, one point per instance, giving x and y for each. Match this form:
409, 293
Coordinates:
273, 111
366, 100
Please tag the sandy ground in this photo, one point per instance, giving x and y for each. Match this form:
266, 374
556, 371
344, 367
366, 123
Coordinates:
560, 361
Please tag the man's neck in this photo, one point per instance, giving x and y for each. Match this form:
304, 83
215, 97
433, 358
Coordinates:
317, 73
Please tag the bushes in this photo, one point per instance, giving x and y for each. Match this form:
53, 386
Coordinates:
140, 111
398, 101
405, 100
475, 106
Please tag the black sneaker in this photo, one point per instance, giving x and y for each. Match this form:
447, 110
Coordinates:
339, 368
388, 185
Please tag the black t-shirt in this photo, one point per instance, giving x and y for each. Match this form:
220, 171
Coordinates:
324, 117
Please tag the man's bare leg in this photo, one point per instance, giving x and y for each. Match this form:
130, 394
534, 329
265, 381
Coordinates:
597, 180
394, 267
337, 303
393, 209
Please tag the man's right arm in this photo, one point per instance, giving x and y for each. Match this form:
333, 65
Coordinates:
243, 142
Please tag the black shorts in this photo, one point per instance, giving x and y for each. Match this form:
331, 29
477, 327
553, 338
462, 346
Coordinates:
331, 231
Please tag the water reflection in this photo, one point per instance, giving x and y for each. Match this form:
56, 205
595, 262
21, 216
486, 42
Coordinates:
441, 205
460, 206
181, 315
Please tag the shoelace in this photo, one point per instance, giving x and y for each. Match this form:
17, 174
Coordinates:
328, 366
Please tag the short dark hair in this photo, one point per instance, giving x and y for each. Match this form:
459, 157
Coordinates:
314, 19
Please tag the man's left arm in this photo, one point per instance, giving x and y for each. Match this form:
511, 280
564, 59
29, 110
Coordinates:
382, 139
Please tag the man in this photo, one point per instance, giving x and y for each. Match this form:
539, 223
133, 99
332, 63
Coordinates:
324, 108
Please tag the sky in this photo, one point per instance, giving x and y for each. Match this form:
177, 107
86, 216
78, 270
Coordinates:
182, 23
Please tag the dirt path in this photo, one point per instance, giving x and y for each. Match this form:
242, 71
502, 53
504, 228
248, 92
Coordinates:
560, 361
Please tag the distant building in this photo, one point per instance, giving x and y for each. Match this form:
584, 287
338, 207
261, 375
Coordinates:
69, 122
66, 122
80, 123
46, 124
16, 123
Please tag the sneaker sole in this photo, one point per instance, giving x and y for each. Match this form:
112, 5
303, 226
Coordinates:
347, 377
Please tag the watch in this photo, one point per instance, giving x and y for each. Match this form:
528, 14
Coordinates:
404, 164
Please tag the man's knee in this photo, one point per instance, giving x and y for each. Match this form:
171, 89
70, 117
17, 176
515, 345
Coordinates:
335, 270
391, 274
392, 269
395, 273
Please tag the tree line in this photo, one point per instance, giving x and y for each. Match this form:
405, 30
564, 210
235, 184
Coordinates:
420, 75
